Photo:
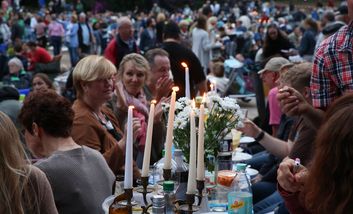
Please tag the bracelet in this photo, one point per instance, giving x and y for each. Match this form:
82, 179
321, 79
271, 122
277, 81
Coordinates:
259, 137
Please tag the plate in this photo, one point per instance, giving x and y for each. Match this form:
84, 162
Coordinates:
239, 149
252, 172
240, 156
247, 139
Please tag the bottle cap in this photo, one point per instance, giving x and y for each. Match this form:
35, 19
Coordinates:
241, 166
168, 185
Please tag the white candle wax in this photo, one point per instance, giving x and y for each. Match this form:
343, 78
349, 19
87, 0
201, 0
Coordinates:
148, 144
128, 154
187, 83
169, 138
200, 146
191, 187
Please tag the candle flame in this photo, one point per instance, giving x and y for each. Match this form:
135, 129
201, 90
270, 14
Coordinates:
184, 64
153, 101
175, 88
132, 107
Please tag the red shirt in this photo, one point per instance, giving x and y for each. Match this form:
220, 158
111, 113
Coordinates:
39, 55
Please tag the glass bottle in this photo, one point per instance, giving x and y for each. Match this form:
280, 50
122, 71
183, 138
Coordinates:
119, 185
181, 175
157, 174
169, 196
158, 204
240, 196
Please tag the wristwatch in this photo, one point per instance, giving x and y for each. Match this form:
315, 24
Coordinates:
260, 136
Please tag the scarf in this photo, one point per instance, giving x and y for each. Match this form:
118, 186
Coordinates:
140, 111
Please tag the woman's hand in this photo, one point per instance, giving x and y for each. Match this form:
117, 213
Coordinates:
136, 128
288, 179
250, 129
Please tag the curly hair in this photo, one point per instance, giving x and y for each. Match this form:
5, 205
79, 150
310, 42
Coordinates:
50, 111
329, 187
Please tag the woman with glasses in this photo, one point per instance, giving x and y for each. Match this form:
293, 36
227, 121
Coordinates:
95, 125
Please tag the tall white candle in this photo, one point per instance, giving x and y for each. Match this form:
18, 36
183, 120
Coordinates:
211, 87
187, 80
191, 187
170, 127
200, 144
148, 144
128, 154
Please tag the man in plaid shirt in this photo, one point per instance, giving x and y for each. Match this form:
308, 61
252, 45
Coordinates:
332, 75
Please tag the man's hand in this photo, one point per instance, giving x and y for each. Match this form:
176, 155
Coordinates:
292, 102
163, 87
290, 181
250, 128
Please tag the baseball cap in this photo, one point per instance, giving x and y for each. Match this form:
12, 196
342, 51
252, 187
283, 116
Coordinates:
275, 64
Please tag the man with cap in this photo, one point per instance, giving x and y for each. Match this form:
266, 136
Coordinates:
269, 76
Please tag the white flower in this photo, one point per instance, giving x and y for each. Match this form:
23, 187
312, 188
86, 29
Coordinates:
229, 104
178, 106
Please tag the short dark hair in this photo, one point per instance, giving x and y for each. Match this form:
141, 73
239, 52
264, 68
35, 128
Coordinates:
171, 30
50, 111
152, 53
31, 44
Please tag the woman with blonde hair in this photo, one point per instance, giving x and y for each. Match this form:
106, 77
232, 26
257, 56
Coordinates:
95, 125
24, 189
132, 76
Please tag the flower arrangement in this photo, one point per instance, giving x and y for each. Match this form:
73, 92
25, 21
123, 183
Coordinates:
222, 115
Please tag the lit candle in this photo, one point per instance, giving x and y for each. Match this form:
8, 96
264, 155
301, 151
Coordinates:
128, 154
211, 87
200, 143
169, 138
148, 144
187, 80
191, 187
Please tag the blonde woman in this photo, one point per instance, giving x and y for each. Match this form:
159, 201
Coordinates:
95, 125
24, 189
132, 76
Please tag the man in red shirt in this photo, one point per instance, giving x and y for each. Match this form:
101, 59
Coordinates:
36, 54
122, 44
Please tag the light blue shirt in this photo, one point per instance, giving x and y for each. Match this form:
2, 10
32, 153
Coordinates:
85, 34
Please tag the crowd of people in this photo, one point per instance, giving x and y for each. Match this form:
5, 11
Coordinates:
61, 149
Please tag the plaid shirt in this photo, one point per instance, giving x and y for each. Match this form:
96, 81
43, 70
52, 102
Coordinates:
332, 73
